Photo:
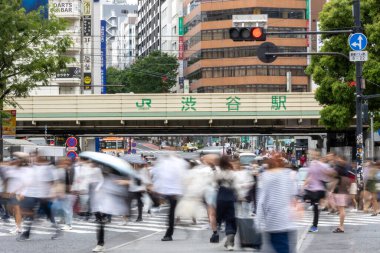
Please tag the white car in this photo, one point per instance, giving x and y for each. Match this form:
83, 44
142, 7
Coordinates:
246, 159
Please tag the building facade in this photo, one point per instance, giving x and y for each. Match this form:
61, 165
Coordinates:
171, 38
128, 45
215, 63
117, 16
148, 26
67, 81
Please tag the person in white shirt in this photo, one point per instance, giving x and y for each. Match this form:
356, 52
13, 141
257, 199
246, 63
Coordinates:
167, 177
38, 193
14, 175
81, 186
108, 197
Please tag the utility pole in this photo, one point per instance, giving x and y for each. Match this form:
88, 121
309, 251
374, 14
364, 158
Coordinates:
372, 138
359, 103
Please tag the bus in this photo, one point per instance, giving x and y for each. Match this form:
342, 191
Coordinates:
117, 146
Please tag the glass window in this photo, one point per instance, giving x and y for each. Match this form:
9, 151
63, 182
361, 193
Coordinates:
207, 35
218, 35
251, 71
261, 70
218, 72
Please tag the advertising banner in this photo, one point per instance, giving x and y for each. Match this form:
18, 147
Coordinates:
87, 44
103, 52
70, 72
9, 123
65, 7
180, 26
87, 80
180, 48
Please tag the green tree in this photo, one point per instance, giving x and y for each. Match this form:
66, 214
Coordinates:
155, 73
31, 49
335, 75
116, 81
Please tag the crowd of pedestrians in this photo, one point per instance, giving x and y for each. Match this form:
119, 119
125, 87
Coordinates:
268, 191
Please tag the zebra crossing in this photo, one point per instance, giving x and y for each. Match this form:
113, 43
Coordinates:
328, 220
155, 223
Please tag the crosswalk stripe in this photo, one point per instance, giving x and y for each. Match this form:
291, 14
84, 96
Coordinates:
129, 226
158, 223
354, 219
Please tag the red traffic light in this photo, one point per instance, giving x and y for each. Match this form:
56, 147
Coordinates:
257, 32
247, 34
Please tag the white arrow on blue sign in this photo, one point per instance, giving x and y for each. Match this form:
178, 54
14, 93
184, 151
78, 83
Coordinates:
357, 41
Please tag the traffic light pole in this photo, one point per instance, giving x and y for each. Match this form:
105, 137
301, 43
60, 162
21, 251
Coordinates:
307, 53
359, 100
311, 32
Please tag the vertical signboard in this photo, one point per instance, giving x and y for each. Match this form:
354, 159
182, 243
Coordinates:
87, 45
180, 48
180, 26
9, 123
180, 51
103, 50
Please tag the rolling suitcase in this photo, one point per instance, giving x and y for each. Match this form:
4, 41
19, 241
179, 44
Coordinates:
249, 237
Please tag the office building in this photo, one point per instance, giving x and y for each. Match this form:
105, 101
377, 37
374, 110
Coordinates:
148, 26
215, 63
120, 42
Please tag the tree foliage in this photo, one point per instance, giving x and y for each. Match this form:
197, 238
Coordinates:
334, 74
155, 73
31, 49
116, 81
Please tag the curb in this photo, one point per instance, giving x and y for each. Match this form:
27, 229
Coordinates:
302, 239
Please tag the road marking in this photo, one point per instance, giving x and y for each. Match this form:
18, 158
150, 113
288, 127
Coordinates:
127, 243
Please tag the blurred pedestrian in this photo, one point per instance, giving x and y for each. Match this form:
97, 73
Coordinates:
64, 199
244, 182
276, 205
14, 176
353, 188
318, 174
225, 201
200, 190
108, 197
38, 193
81, 186
137, 188
341, 191
303, 160
371, 189
167, 177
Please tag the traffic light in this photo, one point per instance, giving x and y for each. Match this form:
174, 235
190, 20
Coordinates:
248, 34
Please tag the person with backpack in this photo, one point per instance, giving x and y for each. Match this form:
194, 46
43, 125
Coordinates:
225, 200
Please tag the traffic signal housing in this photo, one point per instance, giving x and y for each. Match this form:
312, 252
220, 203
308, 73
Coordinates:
248, 34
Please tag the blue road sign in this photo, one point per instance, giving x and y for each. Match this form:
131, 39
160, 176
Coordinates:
357, 41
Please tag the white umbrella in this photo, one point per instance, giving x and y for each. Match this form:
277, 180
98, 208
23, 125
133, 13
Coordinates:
134, 159
115, 163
